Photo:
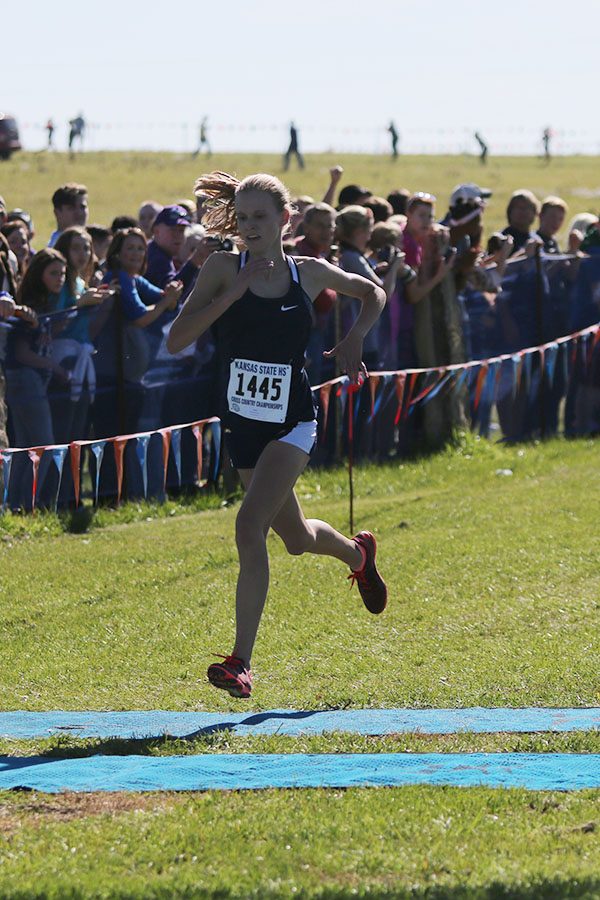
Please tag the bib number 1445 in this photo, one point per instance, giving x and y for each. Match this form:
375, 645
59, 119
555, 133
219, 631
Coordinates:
258, 390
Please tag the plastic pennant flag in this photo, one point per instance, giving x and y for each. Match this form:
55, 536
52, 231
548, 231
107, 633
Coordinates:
141, 451
517, 367
464, 374
551, 357
442, 382
527, 360
215, 428
324, 395
412, 380
373, 383
35, 456
400, 385
197, 431
355, 389
585, 349
342, 393
564, 349
376, 406
97, 449
58, 455
165, 434
119, 445
542, 355
351, 393
176, 447
7, 459
75, 459
481, 378
424, 392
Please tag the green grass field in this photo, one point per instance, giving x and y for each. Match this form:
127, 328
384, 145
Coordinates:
494, 601
119, 182
494, 589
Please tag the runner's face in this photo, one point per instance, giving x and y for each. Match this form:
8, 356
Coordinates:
259, 221
133, 252
53, 277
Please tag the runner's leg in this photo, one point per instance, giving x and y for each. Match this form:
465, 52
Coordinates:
268, 486
301, 535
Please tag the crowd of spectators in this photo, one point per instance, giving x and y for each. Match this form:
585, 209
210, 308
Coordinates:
85, 319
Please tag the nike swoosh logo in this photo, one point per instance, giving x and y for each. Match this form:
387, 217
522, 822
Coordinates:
285, 308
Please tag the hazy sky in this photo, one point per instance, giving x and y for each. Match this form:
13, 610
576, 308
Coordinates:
144, 74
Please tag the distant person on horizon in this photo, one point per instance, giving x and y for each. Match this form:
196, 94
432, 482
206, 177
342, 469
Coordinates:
394, 136
203, 142
76, 130
546, 138
50, 130
483, 148
293, 150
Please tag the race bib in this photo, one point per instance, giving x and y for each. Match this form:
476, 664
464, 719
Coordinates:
259, 391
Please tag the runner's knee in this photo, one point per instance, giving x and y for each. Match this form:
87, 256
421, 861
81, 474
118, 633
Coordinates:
248, 528
298, 542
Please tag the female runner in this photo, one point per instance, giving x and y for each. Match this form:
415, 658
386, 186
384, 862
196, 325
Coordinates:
260, 304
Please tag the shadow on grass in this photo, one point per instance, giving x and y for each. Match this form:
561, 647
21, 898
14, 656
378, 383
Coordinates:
545, 889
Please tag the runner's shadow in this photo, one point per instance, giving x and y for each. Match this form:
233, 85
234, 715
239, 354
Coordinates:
254, 719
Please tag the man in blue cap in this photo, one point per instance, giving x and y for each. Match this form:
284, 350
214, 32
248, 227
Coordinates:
168, 234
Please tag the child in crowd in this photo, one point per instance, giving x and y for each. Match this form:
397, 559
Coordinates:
29, 366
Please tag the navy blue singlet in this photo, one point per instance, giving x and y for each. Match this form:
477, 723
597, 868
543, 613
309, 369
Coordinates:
263, 386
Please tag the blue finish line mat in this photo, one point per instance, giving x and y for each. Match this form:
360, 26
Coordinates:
156, 723
535, 771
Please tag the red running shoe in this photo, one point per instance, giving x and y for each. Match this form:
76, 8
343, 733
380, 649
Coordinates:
370, 583
231, 675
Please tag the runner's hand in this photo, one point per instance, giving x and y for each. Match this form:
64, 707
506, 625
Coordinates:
245, 275
348, 354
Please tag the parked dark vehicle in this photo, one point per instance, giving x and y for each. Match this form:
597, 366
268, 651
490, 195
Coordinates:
9, 136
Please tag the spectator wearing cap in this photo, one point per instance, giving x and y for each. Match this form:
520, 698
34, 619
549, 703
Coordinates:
578, 226
464, 220
521, 212
70, 205
168, 235
552, 217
